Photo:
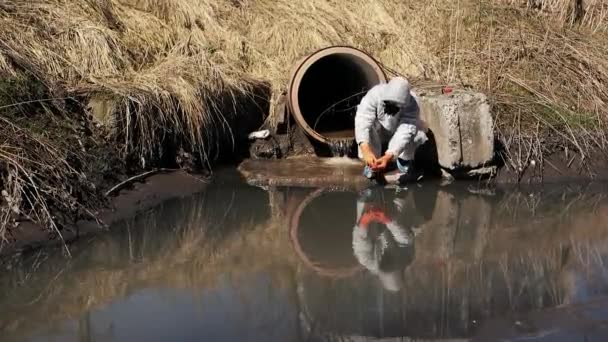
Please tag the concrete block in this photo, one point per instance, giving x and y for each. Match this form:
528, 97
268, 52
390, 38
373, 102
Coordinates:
462, 126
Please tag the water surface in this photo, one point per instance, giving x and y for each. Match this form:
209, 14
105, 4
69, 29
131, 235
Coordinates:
239, 263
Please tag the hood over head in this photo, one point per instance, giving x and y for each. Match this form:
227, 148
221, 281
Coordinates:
398, 91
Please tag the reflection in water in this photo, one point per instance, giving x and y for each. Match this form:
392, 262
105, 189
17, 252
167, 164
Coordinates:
239, 263
173, 315
382, 242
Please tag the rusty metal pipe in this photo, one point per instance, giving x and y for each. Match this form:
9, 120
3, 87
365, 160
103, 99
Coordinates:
325, 89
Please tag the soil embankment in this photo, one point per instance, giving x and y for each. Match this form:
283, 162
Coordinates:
94, 92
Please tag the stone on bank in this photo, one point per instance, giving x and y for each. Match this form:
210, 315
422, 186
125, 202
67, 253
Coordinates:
463, 130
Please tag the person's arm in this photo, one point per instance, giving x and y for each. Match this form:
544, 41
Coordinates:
406, 131
364, 121
404, 134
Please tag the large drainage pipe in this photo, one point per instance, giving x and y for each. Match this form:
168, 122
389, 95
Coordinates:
325, 89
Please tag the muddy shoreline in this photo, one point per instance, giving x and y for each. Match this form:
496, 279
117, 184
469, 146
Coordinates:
149, 192
295, 165
126, 203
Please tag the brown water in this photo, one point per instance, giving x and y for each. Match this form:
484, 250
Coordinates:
238, 263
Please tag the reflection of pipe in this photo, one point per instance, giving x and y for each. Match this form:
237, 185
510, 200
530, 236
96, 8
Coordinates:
332, 79
294, 224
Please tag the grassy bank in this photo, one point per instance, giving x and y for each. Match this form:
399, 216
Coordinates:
177, 75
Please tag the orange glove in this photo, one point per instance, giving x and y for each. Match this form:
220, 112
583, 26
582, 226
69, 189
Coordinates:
382, 163
373, 215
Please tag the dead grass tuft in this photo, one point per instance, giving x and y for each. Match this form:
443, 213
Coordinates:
590, 13
39, 182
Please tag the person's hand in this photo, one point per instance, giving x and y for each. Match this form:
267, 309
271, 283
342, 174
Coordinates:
382, 163
368, 155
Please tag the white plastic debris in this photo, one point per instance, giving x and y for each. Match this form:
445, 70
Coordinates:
263, 134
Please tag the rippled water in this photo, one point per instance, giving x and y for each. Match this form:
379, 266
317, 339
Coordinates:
239, 263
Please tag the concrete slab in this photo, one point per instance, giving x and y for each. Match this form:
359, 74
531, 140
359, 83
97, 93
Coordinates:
313, 172
304, 172
463, 128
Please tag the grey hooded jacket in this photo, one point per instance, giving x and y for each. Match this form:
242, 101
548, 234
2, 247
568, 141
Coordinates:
401, 128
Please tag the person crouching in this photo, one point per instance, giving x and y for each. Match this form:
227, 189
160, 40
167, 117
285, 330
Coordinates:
388, 114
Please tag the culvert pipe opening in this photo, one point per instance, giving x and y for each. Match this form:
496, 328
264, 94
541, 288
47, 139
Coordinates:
326, 88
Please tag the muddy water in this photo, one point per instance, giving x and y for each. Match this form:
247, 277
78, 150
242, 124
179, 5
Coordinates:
239, 263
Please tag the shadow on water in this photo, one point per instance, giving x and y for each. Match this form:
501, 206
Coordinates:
293, 264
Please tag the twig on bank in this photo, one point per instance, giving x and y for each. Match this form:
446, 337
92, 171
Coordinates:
136, 178
35, 101
555, 167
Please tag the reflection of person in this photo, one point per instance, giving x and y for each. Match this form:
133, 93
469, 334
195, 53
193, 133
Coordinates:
380, 243
388, 113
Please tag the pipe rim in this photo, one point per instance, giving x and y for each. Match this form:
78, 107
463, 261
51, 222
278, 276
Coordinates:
294, 227
298, 74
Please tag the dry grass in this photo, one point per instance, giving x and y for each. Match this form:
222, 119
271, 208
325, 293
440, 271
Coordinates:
40, 182
176, 70
159, 68
590, 13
